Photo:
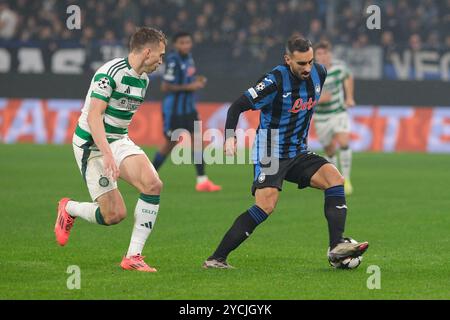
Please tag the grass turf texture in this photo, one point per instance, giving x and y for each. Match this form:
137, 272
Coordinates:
401, 205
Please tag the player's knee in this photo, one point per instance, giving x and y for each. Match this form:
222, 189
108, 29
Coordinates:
267, 199
336, 180
152, 187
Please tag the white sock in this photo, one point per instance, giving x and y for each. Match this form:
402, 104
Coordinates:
345, 157
332, 160
201, 179
88, 211
145, 215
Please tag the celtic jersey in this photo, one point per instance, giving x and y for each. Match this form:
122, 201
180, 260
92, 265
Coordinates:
334, 84
123, 90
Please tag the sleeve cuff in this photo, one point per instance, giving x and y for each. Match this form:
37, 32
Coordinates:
99, 96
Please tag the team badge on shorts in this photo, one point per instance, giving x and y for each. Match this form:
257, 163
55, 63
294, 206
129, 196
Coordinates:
103, 182
262, 177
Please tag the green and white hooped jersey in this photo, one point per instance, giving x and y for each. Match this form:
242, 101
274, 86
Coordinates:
334, 84
123, 89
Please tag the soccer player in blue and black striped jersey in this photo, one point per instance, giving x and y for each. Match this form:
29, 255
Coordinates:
286, 98
179, 85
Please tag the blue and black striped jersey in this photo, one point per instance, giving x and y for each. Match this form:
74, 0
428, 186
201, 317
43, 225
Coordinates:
179, 70
287, 105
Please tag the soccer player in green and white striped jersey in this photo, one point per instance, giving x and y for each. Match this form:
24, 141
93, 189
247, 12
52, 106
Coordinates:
104, 152
331, 118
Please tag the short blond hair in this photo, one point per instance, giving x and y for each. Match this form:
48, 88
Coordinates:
146, 35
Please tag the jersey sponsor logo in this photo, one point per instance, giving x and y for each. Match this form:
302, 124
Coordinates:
129, 103
300, 105
191, 71
133, 105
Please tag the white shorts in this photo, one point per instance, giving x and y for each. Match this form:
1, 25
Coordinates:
327, 126
90, 163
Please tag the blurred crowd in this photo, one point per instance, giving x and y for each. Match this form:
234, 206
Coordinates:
256, 28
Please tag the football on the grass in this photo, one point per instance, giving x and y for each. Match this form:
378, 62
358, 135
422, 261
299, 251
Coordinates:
349, 262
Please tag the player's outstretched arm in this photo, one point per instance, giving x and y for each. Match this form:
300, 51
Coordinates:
95, 122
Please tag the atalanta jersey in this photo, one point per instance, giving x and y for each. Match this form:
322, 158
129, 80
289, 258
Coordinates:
179, 70
287, 106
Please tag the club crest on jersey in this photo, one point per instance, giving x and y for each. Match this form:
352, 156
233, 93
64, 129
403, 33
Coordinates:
317, 88
300, 105
262, 177
260, 86
103, 182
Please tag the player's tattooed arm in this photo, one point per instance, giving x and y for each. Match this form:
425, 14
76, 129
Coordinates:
95, 122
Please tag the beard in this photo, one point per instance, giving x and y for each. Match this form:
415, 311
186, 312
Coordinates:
305, 75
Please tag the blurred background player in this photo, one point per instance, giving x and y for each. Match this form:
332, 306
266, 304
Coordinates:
104, 152
179, 85
331, 120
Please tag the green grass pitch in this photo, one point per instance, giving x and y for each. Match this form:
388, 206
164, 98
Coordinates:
401, 206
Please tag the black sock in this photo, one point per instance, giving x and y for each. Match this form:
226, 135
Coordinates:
158, 160
200, 168
336, 213
241, 229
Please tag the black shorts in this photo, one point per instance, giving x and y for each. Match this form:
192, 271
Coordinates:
184, 121
299, 170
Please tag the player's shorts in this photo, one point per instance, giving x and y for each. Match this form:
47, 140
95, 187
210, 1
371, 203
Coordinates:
298, 170
90, 163
327, 126
184, 121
